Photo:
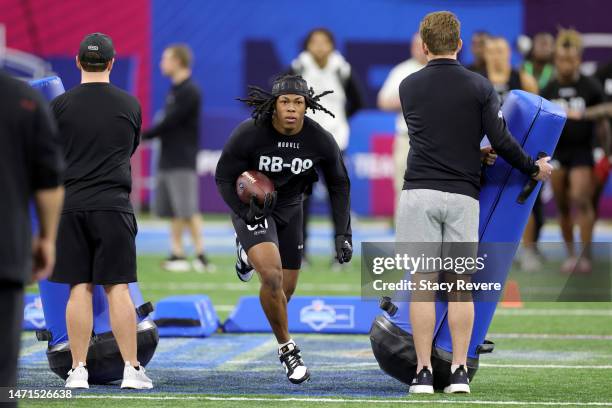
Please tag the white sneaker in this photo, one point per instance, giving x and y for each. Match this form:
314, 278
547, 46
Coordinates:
78, 377
135, 379
176, 264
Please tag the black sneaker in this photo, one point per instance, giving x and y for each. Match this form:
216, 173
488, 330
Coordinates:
291, 359
422, 383
244, 270
459, 382
202, 264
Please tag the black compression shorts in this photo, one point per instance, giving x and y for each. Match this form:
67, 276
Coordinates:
288, 237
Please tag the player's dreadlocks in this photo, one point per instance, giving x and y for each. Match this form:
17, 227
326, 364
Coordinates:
264, 102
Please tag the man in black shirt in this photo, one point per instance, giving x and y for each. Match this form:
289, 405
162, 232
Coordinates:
448, 109
176, 194
30, 168
287, 147
572, 181
99, 127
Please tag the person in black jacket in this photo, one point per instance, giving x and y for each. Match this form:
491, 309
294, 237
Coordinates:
324, 68
176, 193
448, 110
31, 167
286, 146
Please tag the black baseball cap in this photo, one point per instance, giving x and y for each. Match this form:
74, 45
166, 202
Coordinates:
96, 49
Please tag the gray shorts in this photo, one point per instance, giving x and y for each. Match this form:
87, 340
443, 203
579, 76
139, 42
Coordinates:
176, 193
429, 220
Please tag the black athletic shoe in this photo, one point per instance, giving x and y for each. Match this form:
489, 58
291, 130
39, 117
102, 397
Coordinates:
244, 270
202, 264
459, 382
422, 383
291, 359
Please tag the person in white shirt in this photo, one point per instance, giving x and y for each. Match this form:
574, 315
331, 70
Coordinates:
324, 68
389, 100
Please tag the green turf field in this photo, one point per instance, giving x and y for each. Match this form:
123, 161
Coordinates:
547, 354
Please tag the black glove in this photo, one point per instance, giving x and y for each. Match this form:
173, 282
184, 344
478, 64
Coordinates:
344, 248
256, 212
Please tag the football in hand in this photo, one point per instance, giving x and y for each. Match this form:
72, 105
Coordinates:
253, 183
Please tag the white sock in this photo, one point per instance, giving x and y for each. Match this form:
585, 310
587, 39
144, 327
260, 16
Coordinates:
455, 367
280, 346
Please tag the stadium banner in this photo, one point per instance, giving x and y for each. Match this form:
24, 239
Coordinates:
307, 314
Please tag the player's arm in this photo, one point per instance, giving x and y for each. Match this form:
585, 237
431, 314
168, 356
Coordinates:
602, 130
185, 103
601, 111
339, 188
528, 82
354, 95
46, 181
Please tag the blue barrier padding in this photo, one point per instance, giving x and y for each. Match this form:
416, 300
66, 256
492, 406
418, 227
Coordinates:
307, 314
186, 316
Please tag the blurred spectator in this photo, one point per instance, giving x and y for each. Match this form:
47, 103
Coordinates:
324, 68
388, 100
479, 39
539, 63
176, 193
572, 181
500, 72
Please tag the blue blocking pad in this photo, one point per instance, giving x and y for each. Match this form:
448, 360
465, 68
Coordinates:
185, 316
306, 314
536, 124
50, 87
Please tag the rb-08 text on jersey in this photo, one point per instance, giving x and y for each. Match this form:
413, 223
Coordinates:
276, 164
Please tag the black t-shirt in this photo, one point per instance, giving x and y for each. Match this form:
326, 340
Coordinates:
578, 95
30, 160
99, 127
448, 110
291, 163
179, 128
503, 90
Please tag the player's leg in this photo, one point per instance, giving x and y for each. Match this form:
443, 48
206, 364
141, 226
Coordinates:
559, 182
73, 266
114, 267
11, 304
291, 247
581, 193
265, 258
79, 321
460, 237
164, 208
418, 220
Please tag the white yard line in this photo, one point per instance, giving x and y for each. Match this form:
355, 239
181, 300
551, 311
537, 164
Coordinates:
545, 336
347, 400
553, 312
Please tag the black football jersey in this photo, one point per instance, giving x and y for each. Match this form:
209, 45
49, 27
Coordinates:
291, 162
